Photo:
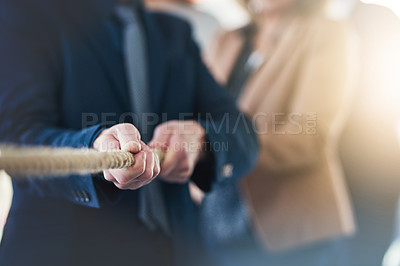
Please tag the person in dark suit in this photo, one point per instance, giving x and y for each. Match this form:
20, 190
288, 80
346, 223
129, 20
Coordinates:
66, 79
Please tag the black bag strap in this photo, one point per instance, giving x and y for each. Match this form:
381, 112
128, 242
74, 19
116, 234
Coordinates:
242, 70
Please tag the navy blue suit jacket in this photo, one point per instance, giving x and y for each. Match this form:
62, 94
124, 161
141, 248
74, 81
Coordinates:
62, 81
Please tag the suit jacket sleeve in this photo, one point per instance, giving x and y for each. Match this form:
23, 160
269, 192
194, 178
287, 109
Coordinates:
29, 109
233, 148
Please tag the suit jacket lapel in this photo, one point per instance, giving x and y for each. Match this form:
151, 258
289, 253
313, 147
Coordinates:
113, 65
157, 61
106, 47
98, 40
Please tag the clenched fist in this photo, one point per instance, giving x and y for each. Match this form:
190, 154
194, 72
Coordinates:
127, 138
183, 142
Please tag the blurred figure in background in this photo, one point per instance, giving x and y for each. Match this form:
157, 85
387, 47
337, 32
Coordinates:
292, 70
368, 147
205, 26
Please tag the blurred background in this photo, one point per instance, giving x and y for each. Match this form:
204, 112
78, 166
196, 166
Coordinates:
231, 15
369, 144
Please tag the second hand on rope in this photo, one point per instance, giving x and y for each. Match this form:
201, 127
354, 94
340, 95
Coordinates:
63, 161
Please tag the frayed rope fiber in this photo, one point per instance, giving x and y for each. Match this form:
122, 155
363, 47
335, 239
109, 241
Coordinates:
43, 161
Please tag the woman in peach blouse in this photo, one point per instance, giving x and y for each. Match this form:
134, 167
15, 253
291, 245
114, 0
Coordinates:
292, 71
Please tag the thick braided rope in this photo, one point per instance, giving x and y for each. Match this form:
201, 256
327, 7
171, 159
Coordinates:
62, 161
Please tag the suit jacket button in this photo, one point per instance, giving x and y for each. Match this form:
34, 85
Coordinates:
80, 195
75, 195
227, 170
86, 196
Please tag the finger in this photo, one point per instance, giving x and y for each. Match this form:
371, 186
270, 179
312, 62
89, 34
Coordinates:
129, 137
172, 157
132, 146
125, 176
157, 166
148, 174
178, 165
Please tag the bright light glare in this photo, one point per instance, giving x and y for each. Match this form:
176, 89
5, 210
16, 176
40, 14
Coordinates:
228, 12
392, 258
392, 4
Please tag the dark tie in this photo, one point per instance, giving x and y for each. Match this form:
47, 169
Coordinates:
152, 209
